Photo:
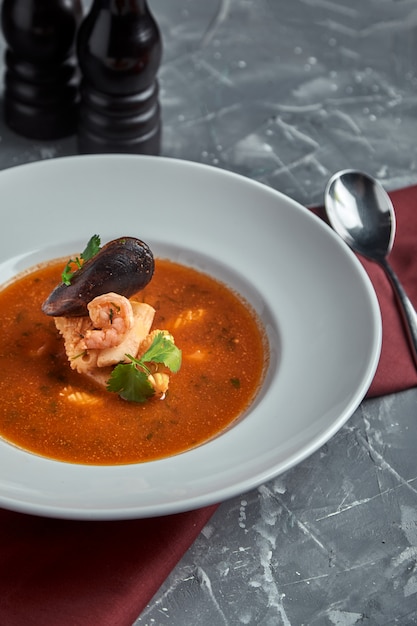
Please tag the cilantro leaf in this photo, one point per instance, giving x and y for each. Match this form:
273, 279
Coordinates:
68, 272
91, 249
163, 350
130, 383
130, 380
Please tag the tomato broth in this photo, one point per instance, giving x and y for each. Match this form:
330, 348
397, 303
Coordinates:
51, 410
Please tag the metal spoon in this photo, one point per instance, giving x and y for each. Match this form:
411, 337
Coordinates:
361, 212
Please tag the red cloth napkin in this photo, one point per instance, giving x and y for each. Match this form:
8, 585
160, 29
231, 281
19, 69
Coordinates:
69, 573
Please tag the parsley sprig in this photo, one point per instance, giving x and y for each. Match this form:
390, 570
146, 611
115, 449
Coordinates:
91, 249
130, 380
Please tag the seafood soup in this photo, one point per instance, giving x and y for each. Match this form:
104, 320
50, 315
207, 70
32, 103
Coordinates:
212, 349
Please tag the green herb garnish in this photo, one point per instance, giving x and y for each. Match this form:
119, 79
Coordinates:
130, 380
91, 249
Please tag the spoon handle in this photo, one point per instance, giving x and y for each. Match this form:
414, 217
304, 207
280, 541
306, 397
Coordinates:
408, 311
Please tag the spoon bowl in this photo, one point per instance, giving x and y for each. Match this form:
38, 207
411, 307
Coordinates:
361, 212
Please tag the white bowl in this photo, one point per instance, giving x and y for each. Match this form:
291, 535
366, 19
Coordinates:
313, 296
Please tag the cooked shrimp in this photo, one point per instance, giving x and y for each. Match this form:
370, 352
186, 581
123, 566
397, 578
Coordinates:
112, 317
160, 383
143, 315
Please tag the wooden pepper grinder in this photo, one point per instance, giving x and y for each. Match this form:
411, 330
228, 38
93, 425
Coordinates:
41, 79
119, 51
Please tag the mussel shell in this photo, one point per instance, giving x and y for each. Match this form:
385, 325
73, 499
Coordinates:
124, 265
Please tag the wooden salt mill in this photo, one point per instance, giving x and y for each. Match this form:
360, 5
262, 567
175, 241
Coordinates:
119, 50
41, 80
